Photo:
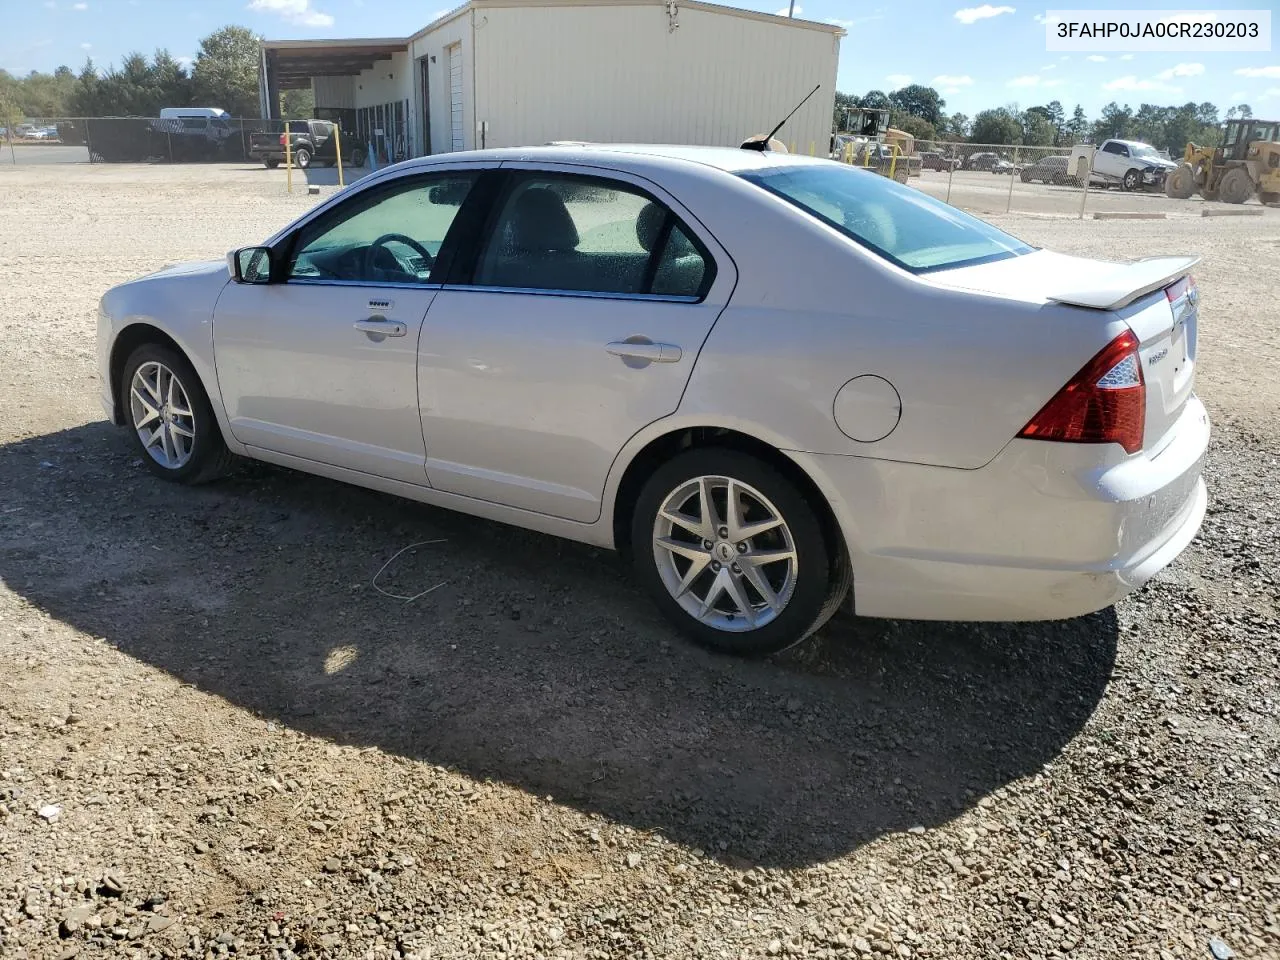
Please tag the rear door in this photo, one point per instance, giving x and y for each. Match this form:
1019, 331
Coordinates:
577, 324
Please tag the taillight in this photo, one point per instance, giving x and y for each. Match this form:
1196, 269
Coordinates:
1176, 291
1106, 402
282, 136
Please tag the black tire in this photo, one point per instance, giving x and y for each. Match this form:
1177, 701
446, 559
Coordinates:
1132, 179
271, 164
822, 572
357, 158
302, 158
210, 457
1236, 186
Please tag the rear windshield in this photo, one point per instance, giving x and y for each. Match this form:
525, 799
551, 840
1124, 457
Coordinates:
899, 223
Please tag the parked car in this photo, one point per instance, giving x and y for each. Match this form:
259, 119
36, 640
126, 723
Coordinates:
1125, 163
1003, 165
310, 141
1046, 170
763, 376
981, 161
933, 160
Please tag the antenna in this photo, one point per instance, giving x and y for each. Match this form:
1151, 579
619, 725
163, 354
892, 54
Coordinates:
763, 145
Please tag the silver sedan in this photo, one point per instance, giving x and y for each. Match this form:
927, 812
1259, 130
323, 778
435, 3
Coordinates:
778, 383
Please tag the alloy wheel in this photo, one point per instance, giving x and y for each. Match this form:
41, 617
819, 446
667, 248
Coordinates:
725, 553
162, 415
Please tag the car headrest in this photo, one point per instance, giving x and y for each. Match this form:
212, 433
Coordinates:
649, 226
540, 223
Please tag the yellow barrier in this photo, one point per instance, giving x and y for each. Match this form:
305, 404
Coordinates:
288, 159
337, 146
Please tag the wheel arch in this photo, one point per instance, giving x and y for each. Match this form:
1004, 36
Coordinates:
126, 342
649, 454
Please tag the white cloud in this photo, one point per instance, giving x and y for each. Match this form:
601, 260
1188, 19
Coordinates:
299, 12
79, 6
49, 4
1238, 96
985, 12
1271, 73
949, 83
1132, 84
1181, 70
1049, 66
846, 24
185, 61
897, 80
1096, 58
1126, 56
787, 9
1272, 93
1065, 56
1030, 80
86, 46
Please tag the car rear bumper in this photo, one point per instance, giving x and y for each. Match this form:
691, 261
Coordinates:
1043, 532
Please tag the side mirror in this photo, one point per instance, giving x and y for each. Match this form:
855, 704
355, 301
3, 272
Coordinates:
250, 265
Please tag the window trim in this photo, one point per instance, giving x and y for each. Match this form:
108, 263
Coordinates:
464, 268
359, 203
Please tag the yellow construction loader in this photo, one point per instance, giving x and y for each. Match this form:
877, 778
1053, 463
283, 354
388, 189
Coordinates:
1247, 163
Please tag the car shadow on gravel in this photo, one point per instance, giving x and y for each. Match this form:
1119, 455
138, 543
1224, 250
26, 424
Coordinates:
537, 663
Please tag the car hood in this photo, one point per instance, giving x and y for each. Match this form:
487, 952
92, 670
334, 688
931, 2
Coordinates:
194, 268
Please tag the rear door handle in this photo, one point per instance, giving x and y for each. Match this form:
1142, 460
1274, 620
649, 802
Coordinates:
650, 352
381, 328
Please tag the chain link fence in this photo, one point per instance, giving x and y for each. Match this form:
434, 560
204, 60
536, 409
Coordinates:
44, 140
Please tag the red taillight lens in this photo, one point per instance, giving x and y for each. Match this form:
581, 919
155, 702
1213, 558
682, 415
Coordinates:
282, 139
1106, 402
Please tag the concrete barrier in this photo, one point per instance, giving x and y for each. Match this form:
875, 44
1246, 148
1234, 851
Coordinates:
1232, 212
1128, 215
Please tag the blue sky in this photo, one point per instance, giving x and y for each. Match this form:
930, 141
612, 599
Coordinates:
980, 53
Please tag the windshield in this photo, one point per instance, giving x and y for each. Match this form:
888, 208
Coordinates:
1146, 150
899, 223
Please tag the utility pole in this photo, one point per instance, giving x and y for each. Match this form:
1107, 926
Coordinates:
791, 11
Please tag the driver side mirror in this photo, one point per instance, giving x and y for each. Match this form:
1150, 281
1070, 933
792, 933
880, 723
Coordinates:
250, 265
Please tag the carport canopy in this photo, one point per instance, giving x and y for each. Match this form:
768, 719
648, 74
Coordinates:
290, 64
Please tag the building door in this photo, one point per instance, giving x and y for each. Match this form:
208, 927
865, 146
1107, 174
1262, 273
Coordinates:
455, 97
426, 105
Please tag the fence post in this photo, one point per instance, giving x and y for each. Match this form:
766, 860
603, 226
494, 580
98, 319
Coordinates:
168, 136
288, 159
1012, 173
1084, 192
337, 147
88, 140
951, 172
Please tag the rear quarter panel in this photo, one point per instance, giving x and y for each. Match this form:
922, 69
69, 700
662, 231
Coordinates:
812, 310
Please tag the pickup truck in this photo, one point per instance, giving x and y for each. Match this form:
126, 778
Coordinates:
1128, 163
310, 141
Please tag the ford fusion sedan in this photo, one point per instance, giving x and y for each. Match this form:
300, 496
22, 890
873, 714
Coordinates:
778, 383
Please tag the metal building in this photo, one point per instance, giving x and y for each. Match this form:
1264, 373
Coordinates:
523, 72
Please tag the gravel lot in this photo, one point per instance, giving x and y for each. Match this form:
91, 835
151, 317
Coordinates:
216, 739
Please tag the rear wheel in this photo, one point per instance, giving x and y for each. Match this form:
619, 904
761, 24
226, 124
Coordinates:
1236, 186
302, 157
734, 555
172, 421
1181, 184
271, 164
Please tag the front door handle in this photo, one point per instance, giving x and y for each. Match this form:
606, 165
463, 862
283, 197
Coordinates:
644, 350
381, 328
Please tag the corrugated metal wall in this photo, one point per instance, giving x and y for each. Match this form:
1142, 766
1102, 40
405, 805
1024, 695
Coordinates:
557, 73
456, 30
334, 92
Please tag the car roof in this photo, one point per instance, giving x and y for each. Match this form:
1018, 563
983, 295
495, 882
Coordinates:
632, 155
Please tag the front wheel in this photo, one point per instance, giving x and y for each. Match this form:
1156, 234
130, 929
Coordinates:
734, 555
1132, 180
173, 425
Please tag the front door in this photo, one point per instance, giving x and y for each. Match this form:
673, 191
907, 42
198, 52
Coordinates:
579, 324
322, 362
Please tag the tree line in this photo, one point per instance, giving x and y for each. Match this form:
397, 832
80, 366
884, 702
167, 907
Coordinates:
921, 112
223, 74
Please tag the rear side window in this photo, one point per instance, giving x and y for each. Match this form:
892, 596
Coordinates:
588, 235
901, 224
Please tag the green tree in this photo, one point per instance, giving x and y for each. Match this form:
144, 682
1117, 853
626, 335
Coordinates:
298, 104
844, 103
998, 126
876, 100
918, 127
226, 71
955, 127
1116, 122
1077, 128
1039, 127
919, 101
1242, 111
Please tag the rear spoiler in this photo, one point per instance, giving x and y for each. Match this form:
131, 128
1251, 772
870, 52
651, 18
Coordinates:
1120, 284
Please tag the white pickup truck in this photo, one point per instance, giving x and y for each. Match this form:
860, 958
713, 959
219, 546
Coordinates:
1127, 163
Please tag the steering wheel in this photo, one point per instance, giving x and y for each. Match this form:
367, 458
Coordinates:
371, 253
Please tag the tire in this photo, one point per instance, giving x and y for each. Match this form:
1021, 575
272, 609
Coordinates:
1181, 184
302, 158
271, 164
357, 158
1236, 186
1132, 180
1024, 177
1269, 197
807, 586
207, 456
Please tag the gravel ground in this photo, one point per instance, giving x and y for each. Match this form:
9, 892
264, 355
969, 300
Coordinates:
216, 739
